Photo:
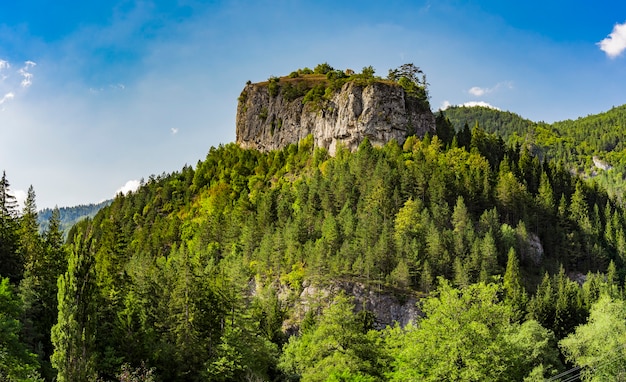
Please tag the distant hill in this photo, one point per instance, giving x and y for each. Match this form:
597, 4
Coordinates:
71, 215
503, 123
574, 142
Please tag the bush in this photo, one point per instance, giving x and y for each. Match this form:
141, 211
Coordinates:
273, 86
315, 95
292, 91
323, 68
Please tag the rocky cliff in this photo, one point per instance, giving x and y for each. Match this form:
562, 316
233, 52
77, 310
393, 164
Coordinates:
380, 110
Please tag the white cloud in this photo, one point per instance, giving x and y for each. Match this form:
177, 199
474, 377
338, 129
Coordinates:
615, 43
446, 104
479, 103
174, 130
130, 186
7, 97
4, 64
477, 91
27, 79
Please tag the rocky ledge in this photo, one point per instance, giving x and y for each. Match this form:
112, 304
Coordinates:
267, 119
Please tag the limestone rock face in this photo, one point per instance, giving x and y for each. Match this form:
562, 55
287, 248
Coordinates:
379, 111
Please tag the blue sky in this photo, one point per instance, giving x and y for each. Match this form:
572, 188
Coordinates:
96, 94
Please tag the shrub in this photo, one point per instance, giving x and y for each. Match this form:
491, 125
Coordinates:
322, 68
292, 91
273, 86
315, 94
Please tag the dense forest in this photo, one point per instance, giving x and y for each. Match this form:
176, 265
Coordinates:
235, 269
591, 146
518, 265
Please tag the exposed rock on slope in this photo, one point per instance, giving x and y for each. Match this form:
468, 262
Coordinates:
380, 111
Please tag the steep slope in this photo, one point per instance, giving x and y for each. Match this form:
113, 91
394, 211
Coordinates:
215, 264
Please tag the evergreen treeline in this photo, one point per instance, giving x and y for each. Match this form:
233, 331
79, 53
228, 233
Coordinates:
575, 143
195, 275
69, 216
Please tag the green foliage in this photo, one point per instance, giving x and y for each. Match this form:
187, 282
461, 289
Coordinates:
73, 336
196, 275
413, 80
469, 335
338, 348
323, 68
598, 346
591, 146
16, 362
315, 95
68, 216
11, 260
294, 90
273, 88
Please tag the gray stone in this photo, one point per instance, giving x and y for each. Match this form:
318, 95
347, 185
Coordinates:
379, 111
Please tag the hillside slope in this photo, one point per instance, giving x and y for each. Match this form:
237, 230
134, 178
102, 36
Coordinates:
593, 146
250, 242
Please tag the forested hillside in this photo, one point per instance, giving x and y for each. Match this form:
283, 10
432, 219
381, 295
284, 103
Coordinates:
198, 274
592, 146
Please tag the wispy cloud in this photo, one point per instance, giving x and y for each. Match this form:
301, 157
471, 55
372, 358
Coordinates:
27, 77
479, 91
12, 81
110, 88
7, 97
615, 43
174, 130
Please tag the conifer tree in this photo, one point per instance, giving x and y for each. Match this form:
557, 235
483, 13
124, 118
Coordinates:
11, 264
73, 336
16, 362
514, 292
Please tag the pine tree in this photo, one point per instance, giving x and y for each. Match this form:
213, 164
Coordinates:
30, 240
11, 263
514, 292
426, 278
73, 336
8, 202
16, 362
444, 129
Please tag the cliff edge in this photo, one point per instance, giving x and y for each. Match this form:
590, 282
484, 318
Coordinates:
281, 111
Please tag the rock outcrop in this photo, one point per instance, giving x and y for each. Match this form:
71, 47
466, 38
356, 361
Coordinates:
380, 111
388, 306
